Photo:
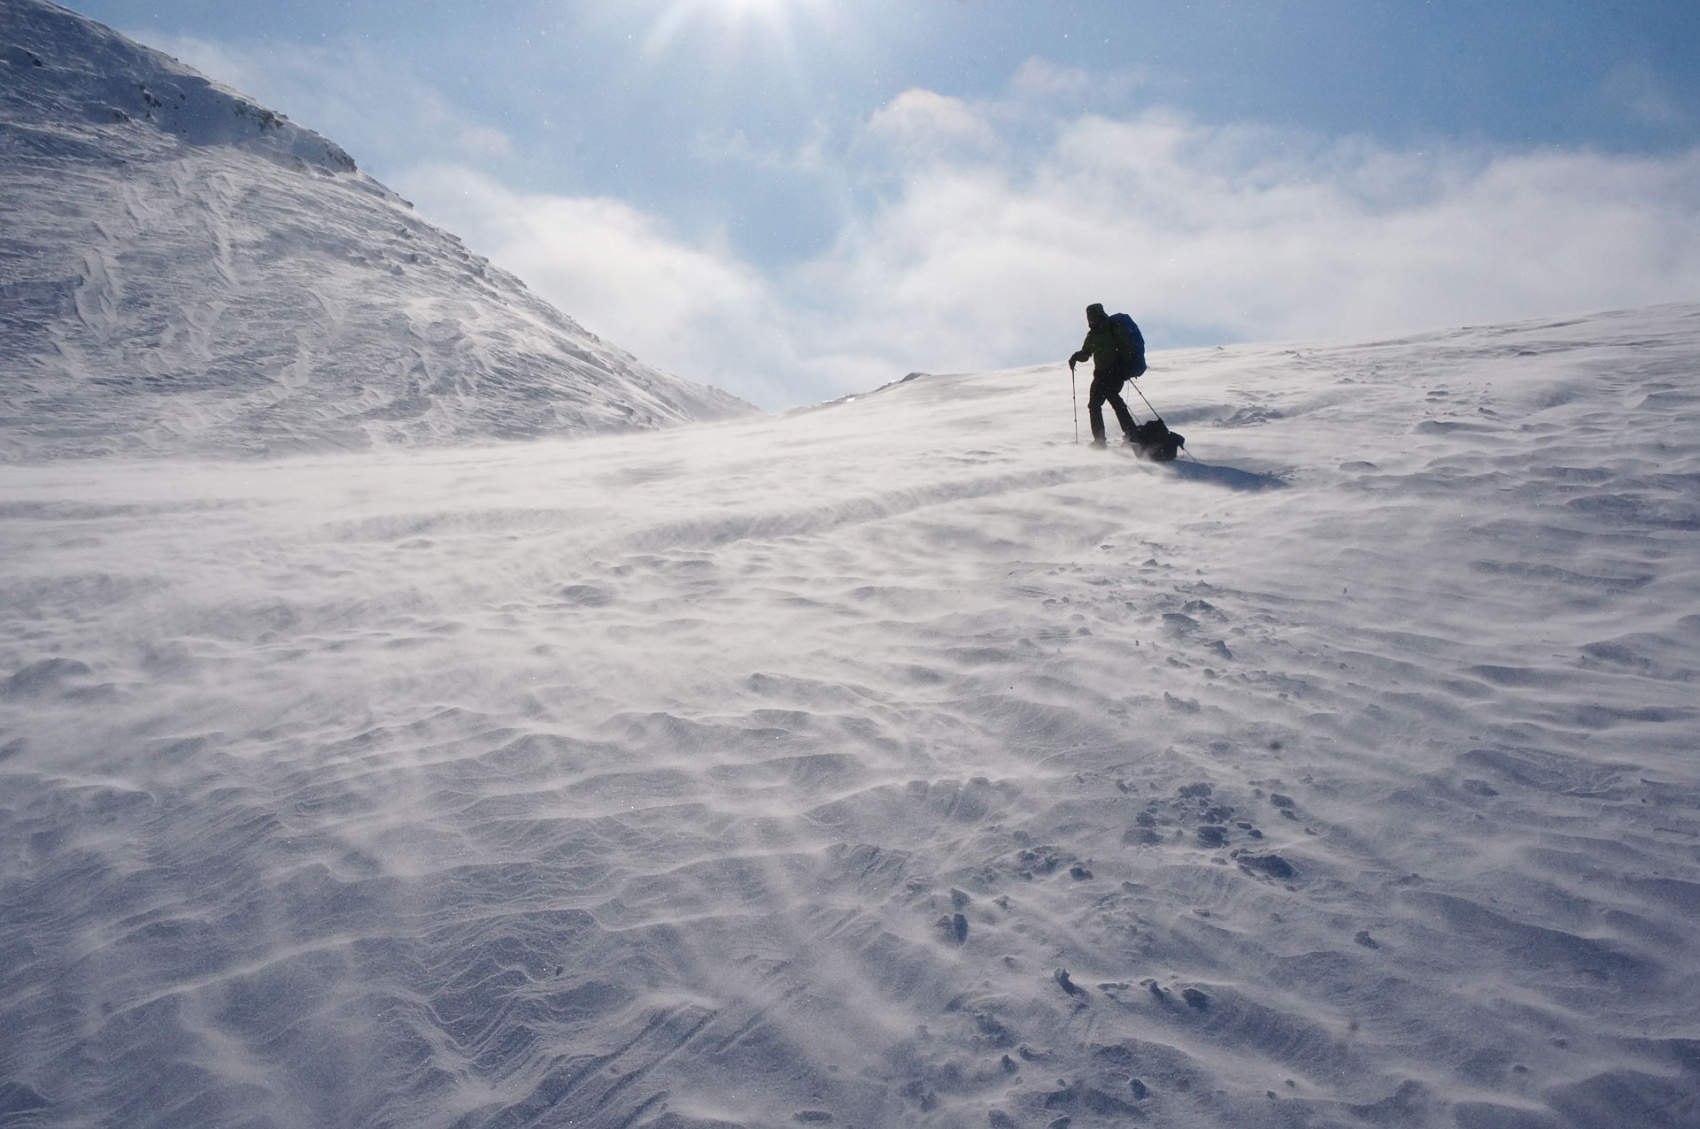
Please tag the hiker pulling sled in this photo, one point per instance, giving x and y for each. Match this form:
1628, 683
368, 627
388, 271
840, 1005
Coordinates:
1117, 350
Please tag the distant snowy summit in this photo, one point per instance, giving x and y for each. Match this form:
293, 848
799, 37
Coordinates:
183, 271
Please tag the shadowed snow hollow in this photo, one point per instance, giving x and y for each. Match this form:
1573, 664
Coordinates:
183, 271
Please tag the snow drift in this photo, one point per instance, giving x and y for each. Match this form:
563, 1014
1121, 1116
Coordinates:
183, 271
892, 763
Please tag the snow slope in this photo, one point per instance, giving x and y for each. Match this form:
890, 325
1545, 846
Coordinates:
893, 763
183, 271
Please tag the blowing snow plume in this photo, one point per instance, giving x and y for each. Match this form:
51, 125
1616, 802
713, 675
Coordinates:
895, 763
183, 271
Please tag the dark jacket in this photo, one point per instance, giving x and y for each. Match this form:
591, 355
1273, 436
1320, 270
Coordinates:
1115, 354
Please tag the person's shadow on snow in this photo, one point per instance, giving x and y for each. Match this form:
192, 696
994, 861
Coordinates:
1231, 477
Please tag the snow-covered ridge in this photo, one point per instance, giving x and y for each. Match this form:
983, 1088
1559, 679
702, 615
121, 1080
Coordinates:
75, 70
185, 271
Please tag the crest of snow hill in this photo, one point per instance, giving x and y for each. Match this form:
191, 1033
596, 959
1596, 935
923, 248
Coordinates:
183, 271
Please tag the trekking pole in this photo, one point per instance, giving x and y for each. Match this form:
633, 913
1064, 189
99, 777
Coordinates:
1154, 411
1074, 395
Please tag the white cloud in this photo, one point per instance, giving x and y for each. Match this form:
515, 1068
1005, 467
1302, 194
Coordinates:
1645, 96
987, 259
985, 227
694, 310
1042, 78
1189, 226
483, 141
1039, 79
929, 128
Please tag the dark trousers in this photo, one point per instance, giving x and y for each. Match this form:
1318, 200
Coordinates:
1110, 389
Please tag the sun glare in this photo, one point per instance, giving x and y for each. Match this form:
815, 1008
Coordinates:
748, 7
734, 16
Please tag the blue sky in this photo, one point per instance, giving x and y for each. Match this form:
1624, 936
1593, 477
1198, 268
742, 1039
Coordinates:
797, 198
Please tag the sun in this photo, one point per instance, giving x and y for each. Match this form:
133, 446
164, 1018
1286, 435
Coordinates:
725, 16
747, 8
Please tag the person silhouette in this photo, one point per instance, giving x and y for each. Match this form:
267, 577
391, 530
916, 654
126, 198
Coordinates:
1117, 351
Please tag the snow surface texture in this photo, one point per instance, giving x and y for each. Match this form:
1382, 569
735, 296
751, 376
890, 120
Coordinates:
892, 763
183, 271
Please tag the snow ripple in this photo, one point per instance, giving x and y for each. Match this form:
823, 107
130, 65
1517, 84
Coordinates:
877, 766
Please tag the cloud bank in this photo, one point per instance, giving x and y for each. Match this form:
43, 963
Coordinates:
984, 251
975, 232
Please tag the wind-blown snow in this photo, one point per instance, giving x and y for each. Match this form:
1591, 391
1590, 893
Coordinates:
893, 763
183, 271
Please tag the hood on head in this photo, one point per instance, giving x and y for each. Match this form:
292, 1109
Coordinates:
1095, 314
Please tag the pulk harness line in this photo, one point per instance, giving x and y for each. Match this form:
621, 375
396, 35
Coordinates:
1180, 447
1132, 382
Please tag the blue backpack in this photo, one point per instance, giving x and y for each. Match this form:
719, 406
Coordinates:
1135, 342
